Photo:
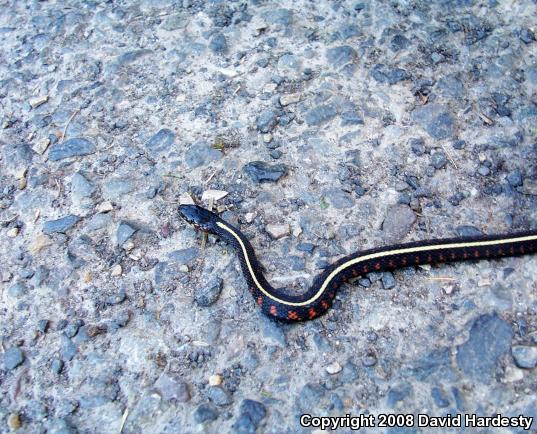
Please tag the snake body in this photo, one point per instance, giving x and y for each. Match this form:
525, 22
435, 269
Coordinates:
319, 297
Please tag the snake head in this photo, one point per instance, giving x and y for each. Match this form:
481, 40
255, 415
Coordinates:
200, 218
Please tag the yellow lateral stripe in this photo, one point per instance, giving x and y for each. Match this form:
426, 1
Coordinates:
366, 258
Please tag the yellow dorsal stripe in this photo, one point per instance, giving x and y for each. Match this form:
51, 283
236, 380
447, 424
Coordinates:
354, 261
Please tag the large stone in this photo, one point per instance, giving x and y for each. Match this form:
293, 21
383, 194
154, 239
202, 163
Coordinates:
398, 222
340, 56
60, 225
161, 141
124, 232
267, 120
386, 74
321, 114
13, 357
435, 119
172, 389
207, 295
525, 357
76, 147
81, 187
184, 256
490, 338
250, 416
260, 171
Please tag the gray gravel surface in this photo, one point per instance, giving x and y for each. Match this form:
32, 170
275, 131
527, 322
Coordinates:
333, 126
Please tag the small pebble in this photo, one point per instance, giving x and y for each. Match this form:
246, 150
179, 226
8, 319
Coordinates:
333, 368
14, 421
116, 270
288, 99
56, 366
219, 396
38, 101
525, 356
13, 232
215, 195
104, 207
530, 186
41, 146
207, 295
388, 281
369, 360
215, 380
277, 231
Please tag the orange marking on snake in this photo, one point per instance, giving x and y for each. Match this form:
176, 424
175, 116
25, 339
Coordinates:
453, 255
312, 313
465, 255
429, 258
325, 305
512, 250
259, 301
417, 259
366, 269
391, 263
377, 266
355, 273
441, 257
476, 253
292, 315
500, 251
403, 261
273, 310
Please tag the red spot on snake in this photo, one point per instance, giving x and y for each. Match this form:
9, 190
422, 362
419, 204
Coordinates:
273, 310
441, 257
377, 266
487, 252
403, 261
325, 305
465, 254
476, 253
522, 249
334, 285
453, 255
331, 294
251, 290
500, 251
429, 258
512, 250
391, 263
312, 313
292, 315
417, 259
366, 269
259, 301
355, 273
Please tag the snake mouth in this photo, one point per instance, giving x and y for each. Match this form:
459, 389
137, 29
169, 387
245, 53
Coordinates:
198, 227
200, 218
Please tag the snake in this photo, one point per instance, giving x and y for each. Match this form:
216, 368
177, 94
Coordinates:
318, 299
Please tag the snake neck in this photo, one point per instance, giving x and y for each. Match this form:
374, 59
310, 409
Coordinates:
252, 268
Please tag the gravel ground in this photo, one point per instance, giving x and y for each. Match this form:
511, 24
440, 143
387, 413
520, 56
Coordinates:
333, 126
